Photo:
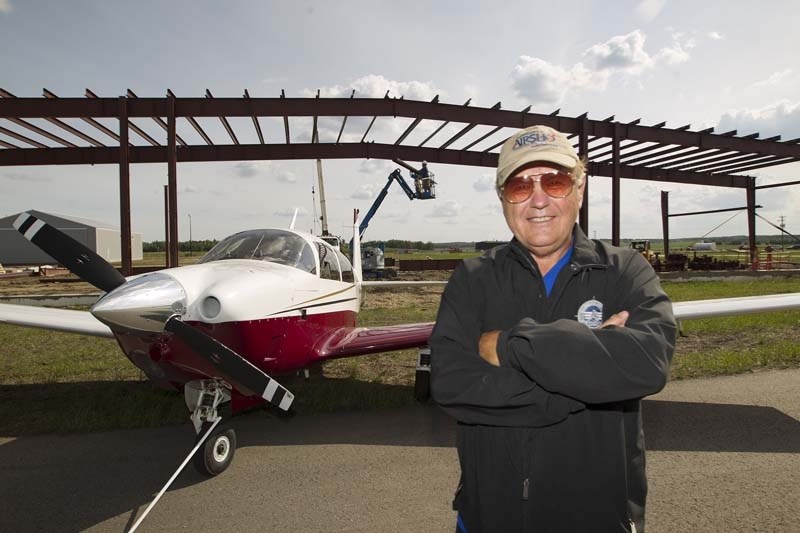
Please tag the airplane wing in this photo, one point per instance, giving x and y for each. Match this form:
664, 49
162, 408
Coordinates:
361, 341
57, 319
735, 306
401, 283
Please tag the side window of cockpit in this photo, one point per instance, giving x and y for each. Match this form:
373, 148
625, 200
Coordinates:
347, 268
328, 264
306, 261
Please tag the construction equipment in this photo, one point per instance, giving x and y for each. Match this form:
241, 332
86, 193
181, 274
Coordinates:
424, 189
372, 258
643, 247
373, 263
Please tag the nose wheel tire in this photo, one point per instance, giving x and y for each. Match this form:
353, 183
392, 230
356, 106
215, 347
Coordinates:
217, 451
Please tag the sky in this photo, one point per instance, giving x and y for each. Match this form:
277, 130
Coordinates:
717, 63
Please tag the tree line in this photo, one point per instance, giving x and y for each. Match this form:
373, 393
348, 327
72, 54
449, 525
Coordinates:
183, 246
402, 244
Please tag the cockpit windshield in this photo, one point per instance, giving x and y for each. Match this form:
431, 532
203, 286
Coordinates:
277, 246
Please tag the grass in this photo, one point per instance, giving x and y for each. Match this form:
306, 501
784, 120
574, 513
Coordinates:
60, 382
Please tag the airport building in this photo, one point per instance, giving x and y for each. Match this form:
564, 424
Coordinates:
102, 238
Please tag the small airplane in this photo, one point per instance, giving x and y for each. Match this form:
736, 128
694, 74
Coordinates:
260, 303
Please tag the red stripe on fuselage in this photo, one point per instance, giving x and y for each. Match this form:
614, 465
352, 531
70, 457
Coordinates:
274, 345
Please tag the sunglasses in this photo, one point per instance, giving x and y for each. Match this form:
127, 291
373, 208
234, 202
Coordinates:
556, 184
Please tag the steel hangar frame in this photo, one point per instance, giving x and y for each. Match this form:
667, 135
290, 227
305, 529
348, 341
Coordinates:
612, 149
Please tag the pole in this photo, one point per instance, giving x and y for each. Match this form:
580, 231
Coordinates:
190, 235
665, 222
322, 208
167, 263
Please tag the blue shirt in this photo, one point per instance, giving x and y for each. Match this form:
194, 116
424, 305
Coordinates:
550, 278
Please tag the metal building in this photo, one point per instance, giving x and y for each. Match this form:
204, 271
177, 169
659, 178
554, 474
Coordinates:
102, 238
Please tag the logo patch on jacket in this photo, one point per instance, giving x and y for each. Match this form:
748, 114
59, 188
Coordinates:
590, 313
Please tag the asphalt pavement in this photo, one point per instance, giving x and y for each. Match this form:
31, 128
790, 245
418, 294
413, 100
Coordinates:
723, 456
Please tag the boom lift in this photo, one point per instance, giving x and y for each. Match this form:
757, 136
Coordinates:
372, 258
424, 189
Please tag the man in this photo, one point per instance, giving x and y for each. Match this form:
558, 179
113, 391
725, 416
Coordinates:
542, 351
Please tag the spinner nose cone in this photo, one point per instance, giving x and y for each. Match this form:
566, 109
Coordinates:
143, 304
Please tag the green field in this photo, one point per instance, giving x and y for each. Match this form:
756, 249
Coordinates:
61, 382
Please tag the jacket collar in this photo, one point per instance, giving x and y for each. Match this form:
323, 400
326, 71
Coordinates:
584, 253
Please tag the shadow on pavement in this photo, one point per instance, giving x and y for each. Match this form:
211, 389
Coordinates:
73, 482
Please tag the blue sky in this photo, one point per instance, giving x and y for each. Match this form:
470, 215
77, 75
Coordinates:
714, 63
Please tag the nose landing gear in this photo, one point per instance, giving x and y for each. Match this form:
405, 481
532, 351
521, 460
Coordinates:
203, 397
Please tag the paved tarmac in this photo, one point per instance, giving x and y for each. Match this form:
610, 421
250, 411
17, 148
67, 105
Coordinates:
724, 456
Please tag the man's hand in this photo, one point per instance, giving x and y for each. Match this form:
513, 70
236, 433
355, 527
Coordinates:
618, 320
487, 347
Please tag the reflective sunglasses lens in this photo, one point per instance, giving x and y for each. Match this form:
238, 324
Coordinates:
517, 190
557, 184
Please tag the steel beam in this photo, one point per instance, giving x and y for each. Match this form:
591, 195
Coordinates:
124, 189
224, 121
172, 176
250, 152
159, 121
583, 149
256, 125
286, 107
615, 188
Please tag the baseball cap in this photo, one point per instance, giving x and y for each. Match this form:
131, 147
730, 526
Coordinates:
537, 143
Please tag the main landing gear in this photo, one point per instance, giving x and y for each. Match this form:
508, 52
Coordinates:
204, 398
422, 379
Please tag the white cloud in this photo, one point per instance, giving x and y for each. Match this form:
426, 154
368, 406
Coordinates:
621, 52
649, 9
539, 81
715, 35
779, 118
5, 6
485, 182
543, 82
190, 189
776, 78
375, 86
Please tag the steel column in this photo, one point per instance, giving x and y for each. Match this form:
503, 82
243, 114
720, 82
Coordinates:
166, 227
665, 222
124, 189
615, 186
751, 222
583, 152
172, 178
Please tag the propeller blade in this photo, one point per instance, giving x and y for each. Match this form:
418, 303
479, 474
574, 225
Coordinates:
79, 259
248, 378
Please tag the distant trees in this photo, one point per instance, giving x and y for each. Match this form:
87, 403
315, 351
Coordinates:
183, 246
400, 244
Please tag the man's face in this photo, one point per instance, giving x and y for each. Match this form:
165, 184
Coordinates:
541, 223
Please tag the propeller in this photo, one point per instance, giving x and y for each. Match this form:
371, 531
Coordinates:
247, 377
163, 298
79, 259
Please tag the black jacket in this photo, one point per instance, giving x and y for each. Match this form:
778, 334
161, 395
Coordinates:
551, 440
